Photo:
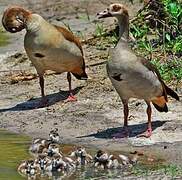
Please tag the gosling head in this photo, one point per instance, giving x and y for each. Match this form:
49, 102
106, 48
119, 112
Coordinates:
80, 154
42, 161
101, 156
54, 149
54, 136
114, 10
30, 167
14, 19
57, 163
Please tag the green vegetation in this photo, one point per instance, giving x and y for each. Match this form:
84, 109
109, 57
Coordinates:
168, 170
4, 39
170, 69
172, 170
157, 30
106, 39
157, 36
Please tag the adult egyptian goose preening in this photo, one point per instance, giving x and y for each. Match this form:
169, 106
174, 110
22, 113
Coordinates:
133, 76
49, 47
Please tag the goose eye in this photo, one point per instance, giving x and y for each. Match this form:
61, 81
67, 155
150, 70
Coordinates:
13, 29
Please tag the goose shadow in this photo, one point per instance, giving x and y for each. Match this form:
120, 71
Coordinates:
135, 129
33, 103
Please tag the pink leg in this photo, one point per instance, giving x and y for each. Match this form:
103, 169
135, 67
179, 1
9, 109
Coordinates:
71, 97
148, 132
125, 131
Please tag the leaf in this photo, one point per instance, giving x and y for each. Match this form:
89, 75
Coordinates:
168, 37
177, 47
173, 8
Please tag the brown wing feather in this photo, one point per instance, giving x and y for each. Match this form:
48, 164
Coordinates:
166, 89
70, 36
78, 73
152, 68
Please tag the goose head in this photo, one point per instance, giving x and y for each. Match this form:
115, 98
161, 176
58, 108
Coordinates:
114, 10
101, 156
82, 157
54, 136
14, 19
42, 160
31, 167
54, 149
57, 163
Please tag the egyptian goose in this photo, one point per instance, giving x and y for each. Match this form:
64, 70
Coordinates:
102, 160
54, 136
49, 47
54, 149
56, 164
133, 76
28, 167
42, 160
80, 156
112, 161
39, 145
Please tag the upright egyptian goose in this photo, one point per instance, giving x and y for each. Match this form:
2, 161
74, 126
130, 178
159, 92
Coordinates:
49, 47
133, 76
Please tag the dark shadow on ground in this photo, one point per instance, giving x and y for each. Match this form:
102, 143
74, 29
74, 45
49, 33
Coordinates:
135, 129
34, 103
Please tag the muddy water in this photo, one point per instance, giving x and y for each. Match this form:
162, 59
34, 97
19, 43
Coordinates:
13, 149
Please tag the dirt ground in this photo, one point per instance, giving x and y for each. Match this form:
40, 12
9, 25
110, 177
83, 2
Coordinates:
98, 112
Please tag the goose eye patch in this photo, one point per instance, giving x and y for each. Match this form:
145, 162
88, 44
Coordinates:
116, 8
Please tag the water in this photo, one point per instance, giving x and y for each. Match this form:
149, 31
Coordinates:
13, 149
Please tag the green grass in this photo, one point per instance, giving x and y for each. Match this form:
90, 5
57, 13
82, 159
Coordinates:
105, 39
161, 42
172, 170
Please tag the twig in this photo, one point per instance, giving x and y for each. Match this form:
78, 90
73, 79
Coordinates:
96, 64
164, 41
163, 23
141, 10
16, 70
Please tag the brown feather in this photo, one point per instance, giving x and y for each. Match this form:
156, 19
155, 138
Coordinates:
70, 37
166, 89
160, 101
152, 68
9, 19
77, 72
160, 104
